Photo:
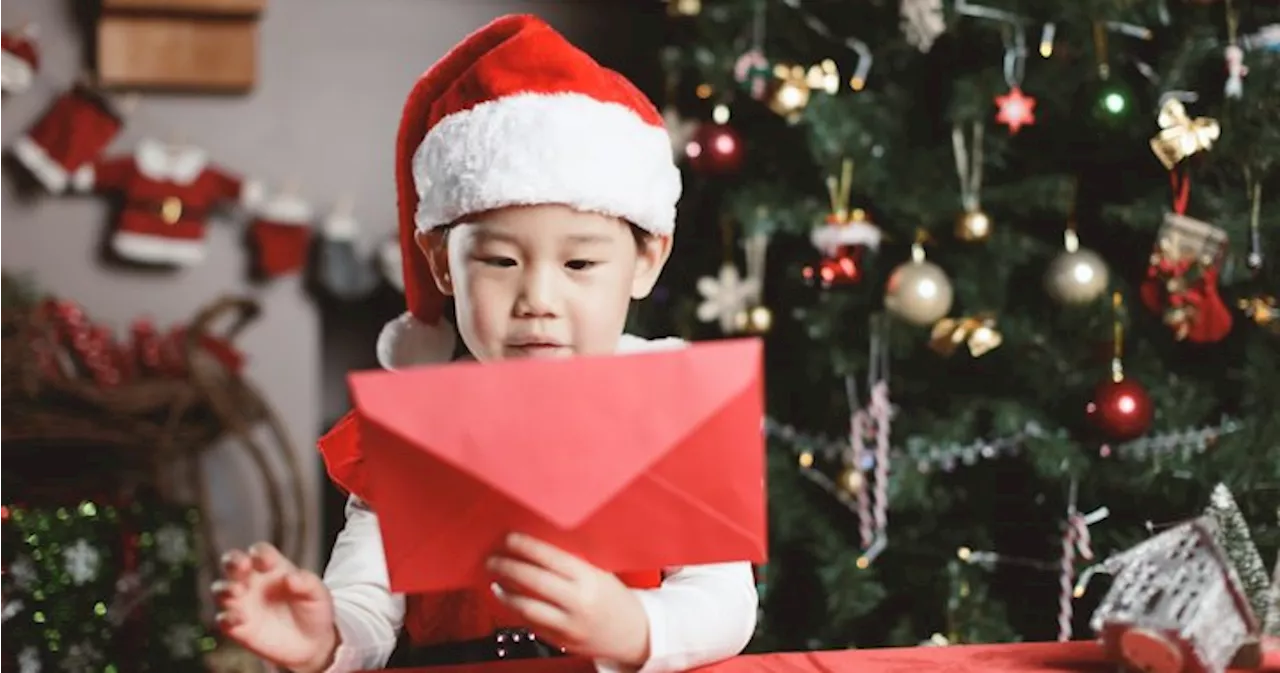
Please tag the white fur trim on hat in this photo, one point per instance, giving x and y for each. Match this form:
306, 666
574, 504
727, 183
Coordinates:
407, 341
529, 149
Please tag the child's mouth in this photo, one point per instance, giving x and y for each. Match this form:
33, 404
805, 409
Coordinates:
538, 350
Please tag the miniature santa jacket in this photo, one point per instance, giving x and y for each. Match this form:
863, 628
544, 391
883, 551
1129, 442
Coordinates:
698, 615
169, 193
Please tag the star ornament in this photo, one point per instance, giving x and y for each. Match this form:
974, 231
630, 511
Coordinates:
1016, 110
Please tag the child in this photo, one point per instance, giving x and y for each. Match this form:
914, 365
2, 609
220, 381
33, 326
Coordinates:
537, 190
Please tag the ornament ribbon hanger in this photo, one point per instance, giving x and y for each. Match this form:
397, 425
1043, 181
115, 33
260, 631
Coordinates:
1016, 109
974, 224
1233, 55
1253, 186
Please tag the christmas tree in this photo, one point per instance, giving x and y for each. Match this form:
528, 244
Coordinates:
1015, 265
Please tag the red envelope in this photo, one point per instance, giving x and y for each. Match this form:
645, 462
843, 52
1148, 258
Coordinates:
634, 462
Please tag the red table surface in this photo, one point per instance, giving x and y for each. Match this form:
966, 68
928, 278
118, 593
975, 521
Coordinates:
1079, 656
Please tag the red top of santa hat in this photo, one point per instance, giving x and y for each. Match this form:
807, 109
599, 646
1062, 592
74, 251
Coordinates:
516, 115
561, 68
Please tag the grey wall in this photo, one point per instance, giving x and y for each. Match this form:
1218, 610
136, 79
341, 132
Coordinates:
333, 75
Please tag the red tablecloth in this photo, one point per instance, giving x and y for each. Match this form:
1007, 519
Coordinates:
1078, 656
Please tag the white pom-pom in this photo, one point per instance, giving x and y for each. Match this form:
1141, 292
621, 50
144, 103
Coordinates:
407, 341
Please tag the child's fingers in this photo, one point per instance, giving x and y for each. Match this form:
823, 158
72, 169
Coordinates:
236, 565
225, 591
305, 585
229, 620
266, 557
541, 615
529, 578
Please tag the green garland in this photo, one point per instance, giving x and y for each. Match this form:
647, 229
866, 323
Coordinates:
99, 587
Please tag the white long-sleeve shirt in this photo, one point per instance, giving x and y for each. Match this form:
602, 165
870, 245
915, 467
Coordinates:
699, 615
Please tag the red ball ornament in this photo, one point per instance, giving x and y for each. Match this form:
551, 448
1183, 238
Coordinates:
716, 149
1121, 409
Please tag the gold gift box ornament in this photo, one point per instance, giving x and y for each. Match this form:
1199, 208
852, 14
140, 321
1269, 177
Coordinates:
978, 333
1181, 136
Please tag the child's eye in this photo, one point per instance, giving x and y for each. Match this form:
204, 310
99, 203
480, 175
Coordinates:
580, 264
500, 262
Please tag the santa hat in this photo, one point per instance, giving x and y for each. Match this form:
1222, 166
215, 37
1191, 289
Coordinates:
19, 59
516, 115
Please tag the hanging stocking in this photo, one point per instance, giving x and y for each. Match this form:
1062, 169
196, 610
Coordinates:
1182, 279
342, 271
281, 235
70, 135
19, 60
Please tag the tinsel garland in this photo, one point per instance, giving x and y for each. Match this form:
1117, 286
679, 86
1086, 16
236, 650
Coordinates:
102, 587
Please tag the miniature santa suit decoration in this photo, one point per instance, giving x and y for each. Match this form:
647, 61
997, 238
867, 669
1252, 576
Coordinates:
281, 235
19, 59
169, 192
70, 135
514, 115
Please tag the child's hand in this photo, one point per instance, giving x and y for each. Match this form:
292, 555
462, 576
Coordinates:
570, 602
275, 610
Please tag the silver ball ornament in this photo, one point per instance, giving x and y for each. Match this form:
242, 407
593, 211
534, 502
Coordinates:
1076, 277
919, 293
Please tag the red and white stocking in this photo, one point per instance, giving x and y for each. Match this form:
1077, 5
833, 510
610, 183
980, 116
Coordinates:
68, 137
19, 59
281, 236
1182, 279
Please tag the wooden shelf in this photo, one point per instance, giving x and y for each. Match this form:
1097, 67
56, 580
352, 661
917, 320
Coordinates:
189, 7
174, 53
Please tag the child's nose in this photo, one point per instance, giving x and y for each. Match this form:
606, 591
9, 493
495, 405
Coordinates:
537, 294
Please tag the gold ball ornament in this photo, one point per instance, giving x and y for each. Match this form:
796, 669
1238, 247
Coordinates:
973, 225
1077, 276
919, 292
754, 320
852, 480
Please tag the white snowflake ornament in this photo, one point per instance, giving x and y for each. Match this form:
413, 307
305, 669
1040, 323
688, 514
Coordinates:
29, 660
12, 609
23, 573
81, 561
726, 296
171, 545
922, 23
82, 658
181, 641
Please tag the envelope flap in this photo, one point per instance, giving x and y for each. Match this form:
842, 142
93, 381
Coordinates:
561, 437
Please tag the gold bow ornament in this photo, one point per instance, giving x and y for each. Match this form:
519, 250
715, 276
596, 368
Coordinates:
1263, 311
1181, 136
979, 333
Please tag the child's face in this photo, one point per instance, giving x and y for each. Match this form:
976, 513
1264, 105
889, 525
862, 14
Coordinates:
543, 281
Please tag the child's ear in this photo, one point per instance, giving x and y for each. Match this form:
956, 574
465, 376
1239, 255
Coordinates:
653, 252
435, 245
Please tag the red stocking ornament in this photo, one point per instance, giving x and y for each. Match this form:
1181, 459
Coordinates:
19, 59
1182, 279
67, 138
281, 234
